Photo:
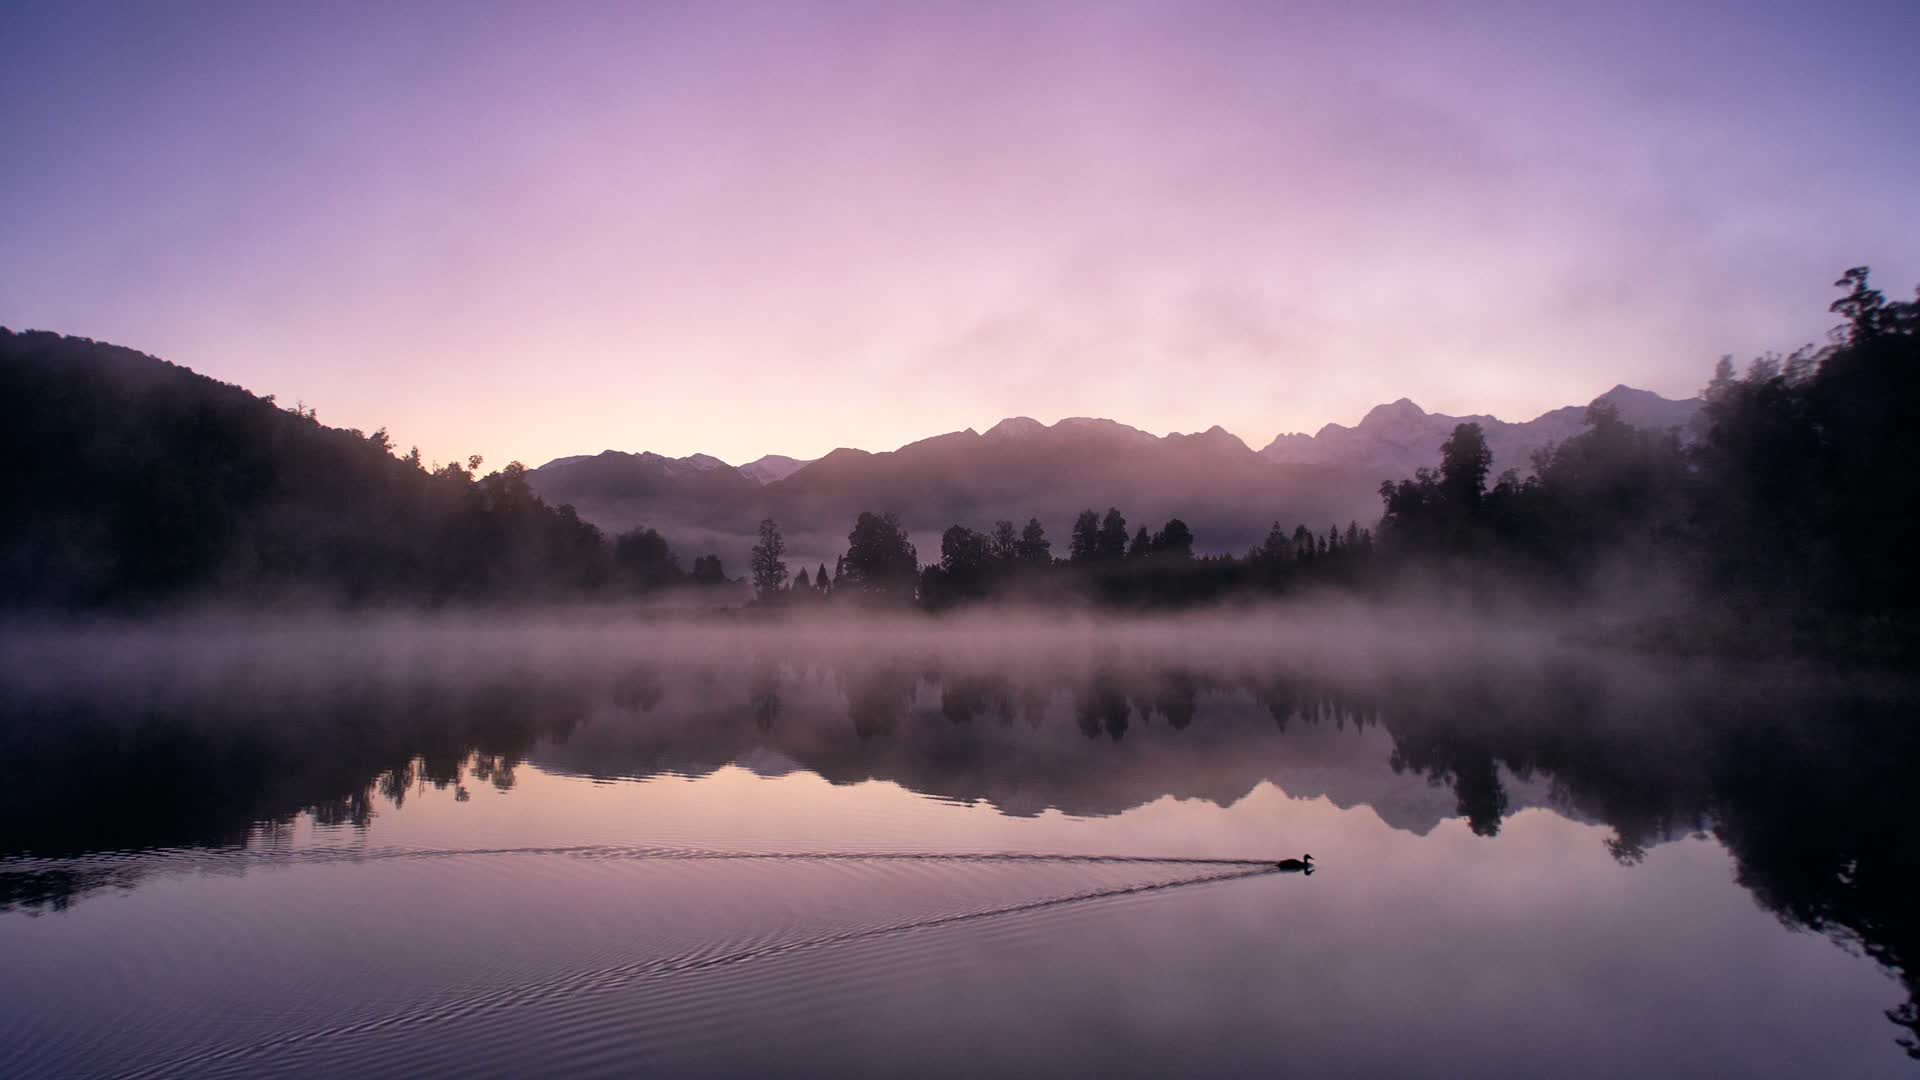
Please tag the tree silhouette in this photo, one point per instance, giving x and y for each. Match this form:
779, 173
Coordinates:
1174, 540
1006, 542
708, 571
769, 570
1464, 461
881, 563
1277, 546
1035, 548
1086, 537
965, 560
1111, 543
643, 559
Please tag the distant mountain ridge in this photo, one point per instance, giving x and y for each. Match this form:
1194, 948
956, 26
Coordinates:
1397, 438
1021, 468
1018, 469
136, 459
773, 467
764, 470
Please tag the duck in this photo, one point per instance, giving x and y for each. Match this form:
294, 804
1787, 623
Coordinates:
1304, 862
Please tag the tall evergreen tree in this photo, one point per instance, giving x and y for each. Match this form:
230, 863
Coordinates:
1086, 537
1174, 540
1464, 461
769, 570
1277, 546
1035, 548
1112, 542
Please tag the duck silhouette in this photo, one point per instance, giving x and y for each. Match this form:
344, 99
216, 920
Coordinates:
1303, 864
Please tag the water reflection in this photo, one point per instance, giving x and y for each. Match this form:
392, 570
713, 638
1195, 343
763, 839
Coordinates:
1803, 781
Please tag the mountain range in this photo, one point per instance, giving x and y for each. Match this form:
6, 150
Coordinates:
1019, 468
1396, 439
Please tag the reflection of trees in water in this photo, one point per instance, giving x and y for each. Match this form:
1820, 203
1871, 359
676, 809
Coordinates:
965, 696
1100, 704
1436, 733
1819, 822
1811, 797
638, 687
1290, 698
219, 773
1174, 696
763, 683
878, 695
1808, 795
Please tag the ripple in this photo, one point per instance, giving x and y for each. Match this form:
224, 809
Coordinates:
593, 1005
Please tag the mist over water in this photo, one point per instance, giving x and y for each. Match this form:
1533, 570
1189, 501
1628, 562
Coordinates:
1002, 841
1341, 640
760, 572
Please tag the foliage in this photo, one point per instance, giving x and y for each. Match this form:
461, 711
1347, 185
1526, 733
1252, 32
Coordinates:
708, 571
147, 483
881, 563
769, 570
1791, 498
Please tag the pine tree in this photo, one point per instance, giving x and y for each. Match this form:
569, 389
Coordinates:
1277, 546
1034, 545
1112, 544
769, 572
1086, 537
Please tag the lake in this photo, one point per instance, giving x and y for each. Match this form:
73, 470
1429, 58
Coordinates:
992, 845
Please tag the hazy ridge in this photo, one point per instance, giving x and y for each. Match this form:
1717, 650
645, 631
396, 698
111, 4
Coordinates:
1021, 468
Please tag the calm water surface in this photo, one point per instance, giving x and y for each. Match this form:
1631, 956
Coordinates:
943, 861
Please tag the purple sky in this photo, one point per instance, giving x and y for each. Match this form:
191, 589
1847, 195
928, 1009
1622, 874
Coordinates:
536, 230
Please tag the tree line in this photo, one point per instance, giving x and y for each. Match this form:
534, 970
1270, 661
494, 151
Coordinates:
148, 484
1104, 563
1787, 504
1791, 499
1791, 504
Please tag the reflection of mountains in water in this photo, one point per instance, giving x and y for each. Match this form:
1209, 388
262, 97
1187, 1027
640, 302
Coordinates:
1808, 788
1033, 759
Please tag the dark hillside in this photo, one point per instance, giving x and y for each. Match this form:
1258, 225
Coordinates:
145, 481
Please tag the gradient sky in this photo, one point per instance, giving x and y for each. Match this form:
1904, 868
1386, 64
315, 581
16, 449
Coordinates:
534, 230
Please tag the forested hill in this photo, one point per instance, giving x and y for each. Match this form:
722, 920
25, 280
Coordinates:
145, 482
